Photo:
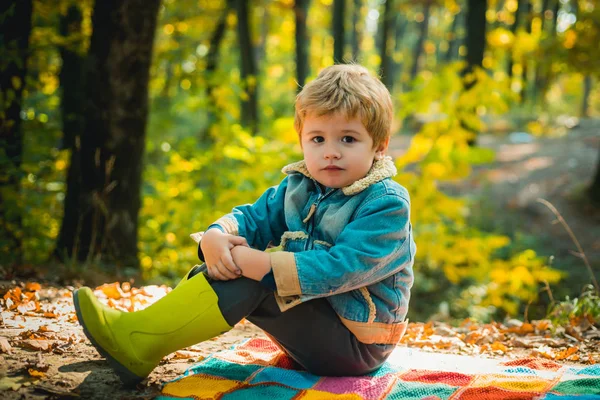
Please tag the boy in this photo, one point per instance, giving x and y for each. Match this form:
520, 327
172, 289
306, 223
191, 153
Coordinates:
336, 296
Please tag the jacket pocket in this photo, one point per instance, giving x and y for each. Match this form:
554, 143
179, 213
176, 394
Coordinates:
321, 245
294, 241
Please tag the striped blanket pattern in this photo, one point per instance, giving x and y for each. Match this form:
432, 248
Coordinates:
257, 369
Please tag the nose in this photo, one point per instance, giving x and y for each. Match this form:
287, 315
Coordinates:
332, 153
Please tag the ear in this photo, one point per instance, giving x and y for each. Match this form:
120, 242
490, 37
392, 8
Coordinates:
382, 148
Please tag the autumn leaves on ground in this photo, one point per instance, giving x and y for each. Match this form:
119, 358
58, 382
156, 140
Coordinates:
44, 353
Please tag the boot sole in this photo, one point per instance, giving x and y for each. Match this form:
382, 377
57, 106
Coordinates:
128, 378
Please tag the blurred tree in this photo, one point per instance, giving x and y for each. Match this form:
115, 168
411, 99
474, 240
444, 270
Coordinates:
212, 58
112, 145
451, 53
357, 28
248, 68
339, 11
476, 30
72, 84
423, 32
543, 67
525, 78
399, 44
513, 28
388, 29
302, 66
15, 30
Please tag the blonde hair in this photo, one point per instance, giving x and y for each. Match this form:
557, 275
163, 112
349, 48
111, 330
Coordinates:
351, 90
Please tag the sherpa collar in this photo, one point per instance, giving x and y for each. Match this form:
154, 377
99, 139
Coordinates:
380, 170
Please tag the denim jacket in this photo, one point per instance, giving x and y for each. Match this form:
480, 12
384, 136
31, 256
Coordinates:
352, 245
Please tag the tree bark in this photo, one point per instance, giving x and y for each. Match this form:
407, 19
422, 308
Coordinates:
339, 9
587, 90
513, 29
525, 86
302, 66
453, 34
212, 58
112, 143
356, 30
248, 69
15, 28
476, 30
476, 25
594, 189
388, 29
72, 87
401, 26
423, 32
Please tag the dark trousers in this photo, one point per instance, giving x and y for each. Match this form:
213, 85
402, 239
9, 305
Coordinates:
310, 333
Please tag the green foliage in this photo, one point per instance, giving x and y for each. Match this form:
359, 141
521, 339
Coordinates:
188, 186
586, 308
440, 152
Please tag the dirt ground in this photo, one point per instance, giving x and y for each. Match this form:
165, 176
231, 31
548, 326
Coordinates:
556, 169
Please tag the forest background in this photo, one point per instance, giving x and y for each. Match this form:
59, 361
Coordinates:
127, 125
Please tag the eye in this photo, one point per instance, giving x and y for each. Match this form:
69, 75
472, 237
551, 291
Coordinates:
318, 139
348, 139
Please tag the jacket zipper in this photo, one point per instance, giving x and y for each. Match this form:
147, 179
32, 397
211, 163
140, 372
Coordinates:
313, 209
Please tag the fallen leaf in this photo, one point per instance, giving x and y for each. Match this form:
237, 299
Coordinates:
39, 345
111, 290
35, 373
33, 286
497, 346
5, 347
561, 355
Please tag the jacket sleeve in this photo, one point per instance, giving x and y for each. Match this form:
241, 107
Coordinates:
260, 223
374, 245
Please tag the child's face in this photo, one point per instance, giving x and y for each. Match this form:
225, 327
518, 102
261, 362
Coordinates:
338, 151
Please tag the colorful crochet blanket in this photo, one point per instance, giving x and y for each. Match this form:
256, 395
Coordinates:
256, 369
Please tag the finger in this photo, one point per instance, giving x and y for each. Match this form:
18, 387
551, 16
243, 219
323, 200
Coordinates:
225, 272
216, 274
239, 241
230, 265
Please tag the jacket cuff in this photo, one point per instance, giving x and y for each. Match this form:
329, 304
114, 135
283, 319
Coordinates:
227, 225
283, 264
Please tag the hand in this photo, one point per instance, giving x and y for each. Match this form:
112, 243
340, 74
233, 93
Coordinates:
216, 246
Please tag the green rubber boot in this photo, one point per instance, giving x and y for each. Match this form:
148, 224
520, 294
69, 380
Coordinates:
134, 343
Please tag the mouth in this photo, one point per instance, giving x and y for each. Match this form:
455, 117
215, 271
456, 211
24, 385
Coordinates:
332, 168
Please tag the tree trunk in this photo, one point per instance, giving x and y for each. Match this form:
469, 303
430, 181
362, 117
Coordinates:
423, 31
541, 70
261, 47
302, 66
15, 28
248, 69
401, 26
525, 86
476, 25
72, 84
587, 90
513, 29
212, 58
452, 35
112, 145
594, 189
356, 30
339, 8
388, 28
